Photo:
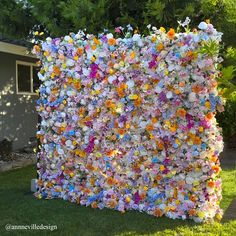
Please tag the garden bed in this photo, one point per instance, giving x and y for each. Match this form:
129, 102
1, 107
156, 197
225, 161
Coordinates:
17, 160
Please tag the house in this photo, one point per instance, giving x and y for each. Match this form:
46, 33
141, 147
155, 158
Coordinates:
18, 84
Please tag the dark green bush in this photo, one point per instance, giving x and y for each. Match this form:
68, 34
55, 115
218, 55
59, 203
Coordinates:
5, 149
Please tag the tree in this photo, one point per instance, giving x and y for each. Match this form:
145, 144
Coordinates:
15, 18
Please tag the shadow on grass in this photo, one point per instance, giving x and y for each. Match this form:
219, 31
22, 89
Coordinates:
19, 207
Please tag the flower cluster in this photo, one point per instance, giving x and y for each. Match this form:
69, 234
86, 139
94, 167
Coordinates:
129, 122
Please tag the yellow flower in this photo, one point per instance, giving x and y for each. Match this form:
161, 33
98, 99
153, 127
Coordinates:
162, 167
127, 199
218, 217
132, 55
154, 38
208, 104
200, 129
200, 214
133, 96
162, 29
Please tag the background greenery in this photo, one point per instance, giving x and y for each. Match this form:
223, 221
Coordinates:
59, 17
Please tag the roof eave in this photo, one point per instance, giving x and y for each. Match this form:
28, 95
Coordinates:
15, 49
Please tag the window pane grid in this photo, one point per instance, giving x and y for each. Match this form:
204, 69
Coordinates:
27, 81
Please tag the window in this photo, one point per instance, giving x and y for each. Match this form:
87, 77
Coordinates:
27, 81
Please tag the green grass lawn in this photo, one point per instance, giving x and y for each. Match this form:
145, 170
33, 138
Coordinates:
19, 207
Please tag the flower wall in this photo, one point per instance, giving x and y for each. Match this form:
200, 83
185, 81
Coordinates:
128, 122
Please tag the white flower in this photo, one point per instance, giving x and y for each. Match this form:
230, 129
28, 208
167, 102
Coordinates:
202, 25
154, 28
130, 83
48, 39
192, 97
109, 36
70, 62
158, 89
169, 95
136, 37
111, 79
185, 23
67, 38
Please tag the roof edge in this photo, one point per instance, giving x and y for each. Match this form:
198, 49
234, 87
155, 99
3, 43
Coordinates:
15, 49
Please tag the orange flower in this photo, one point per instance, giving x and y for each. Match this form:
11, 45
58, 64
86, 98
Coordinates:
69, 80
96, 41
177, 91
80, 51
189, 54
94, 205
110, 153
56, 70
181, 112
149, 127
77, 85
157, 212
111, 41
154, 120
211, 184
192, 198
112, 203
92, 181
171, 33
197, 140
160, 145
120, 92
93, 47
89, 167
138, 102
158, 177
36, 48
111, 181
81, 111
192, 212
216, 169
214, 158
160, 46
173, 127
123, 86
209, 116
116, 124
132, 55
80, 153
196, 88
121, 131
109, 103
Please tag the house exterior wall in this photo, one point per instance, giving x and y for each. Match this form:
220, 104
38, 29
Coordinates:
18, 117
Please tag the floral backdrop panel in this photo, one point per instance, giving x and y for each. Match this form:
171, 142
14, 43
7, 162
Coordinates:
128, 121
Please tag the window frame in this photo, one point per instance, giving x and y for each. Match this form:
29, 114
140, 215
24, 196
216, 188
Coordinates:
25, 63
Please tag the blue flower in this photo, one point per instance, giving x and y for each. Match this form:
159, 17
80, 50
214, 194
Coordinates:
71, 188
155, 160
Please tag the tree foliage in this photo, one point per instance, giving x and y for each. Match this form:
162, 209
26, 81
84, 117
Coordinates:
63, 16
